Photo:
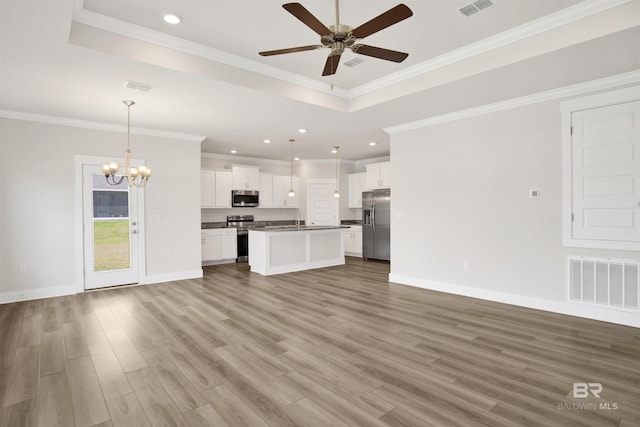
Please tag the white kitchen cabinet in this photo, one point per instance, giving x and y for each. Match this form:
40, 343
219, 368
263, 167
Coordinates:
266, 190
219, 244
215, 189
207, 185
281, 186
379, 175
353, 241
357, 183
246, 177
211, 245
229, 243
223, 189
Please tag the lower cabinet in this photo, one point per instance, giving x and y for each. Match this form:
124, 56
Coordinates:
219, 244
353, 241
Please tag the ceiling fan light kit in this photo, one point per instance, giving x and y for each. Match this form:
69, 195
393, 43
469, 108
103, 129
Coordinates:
339, 37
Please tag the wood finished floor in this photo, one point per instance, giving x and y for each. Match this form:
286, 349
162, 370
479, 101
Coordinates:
336, 346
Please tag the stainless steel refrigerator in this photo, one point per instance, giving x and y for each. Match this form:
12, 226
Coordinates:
376, 224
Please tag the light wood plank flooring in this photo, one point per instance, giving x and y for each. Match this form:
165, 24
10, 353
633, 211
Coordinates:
336, 346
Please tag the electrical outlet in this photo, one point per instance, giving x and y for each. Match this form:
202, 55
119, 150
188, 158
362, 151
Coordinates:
465, 264
22, 268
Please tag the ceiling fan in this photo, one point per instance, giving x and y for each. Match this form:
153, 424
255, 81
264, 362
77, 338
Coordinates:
339, 37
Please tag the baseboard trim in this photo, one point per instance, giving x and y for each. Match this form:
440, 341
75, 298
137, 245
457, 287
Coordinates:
59, 291
571, 309
39, 293
172, 277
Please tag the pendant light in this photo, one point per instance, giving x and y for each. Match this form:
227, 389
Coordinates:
137, 175
336, 193
292, 193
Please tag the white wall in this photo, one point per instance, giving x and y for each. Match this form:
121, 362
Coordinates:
460, 192
37, 212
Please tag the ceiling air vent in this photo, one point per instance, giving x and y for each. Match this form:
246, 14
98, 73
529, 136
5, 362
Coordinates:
353, 62
143, 87
476, 6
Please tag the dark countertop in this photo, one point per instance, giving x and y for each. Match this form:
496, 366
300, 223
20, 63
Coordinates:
351, 222
298, 228
255, 224
208, 225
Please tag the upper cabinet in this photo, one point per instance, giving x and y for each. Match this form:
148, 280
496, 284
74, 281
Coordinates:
207, 183
274, 191
281, 186
223, 189
216, 186
215, 189
357, 184
379, 175
246, 177
266, 190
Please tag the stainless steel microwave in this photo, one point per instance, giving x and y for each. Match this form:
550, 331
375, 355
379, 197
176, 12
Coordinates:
245, 198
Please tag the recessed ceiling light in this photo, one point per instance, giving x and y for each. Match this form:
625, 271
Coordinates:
267, 141
172, 18
372, 143
296, 158
234, 151
302, 130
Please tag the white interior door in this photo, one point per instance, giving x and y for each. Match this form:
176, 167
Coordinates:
110, 224
606, 173
322, 208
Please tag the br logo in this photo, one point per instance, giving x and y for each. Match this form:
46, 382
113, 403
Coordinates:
583, 390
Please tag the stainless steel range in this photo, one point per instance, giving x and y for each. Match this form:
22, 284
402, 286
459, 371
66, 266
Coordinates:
243, 223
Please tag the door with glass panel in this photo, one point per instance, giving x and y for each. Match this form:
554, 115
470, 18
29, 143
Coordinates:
111, 227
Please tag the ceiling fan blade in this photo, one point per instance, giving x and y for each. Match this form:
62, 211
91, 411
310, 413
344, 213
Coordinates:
331, 65
378, 52
290, 50
299, 11
380, 22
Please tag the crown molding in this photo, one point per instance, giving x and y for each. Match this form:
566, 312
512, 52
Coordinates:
114, 25
540, 25
328, 161
609, 82
372, 160
565, 16
239, 159
65, 121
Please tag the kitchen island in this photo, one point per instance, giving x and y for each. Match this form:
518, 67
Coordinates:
284, 249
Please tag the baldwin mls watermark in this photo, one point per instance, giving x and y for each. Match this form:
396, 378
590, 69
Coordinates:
585, 391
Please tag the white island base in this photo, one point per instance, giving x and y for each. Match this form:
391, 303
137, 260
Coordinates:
288, 249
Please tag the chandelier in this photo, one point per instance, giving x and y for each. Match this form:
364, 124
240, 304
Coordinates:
137, 175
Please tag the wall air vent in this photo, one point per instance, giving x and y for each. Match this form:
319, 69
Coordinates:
468, 10
353, 62
143, 87
476, 6
483, 4
603, 282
